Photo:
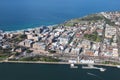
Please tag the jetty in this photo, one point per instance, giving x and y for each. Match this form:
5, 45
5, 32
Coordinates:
90, 66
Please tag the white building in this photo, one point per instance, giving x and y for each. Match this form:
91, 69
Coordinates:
110, 31
115, 52
87, 61
63, 41
26, 43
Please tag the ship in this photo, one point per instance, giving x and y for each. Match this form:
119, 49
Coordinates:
118, 66
73, 66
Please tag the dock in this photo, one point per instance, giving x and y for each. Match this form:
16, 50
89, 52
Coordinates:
93, 67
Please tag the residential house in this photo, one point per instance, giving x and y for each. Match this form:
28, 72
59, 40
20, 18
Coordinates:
39, 46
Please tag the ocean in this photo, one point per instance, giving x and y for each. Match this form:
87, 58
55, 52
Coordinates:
12, 71
23, 14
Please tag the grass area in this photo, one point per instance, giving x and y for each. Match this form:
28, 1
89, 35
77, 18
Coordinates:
29, 51
109, 22
18, 38
3, 57
5, 51
109, 62
40, 58
93, 37
94, 17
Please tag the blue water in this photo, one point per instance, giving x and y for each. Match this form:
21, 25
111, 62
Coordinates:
22, 14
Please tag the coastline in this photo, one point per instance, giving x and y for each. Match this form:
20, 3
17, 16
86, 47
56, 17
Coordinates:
27, 29
41, 62
31, 28
60, 63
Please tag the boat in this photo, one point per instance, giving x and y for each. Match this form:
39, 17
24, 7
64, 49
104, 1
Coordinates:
73, 66
91, 74
118, 66
102, 69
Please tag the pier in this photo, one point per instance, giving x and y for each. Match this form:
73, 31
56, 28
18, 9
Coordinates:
90, 66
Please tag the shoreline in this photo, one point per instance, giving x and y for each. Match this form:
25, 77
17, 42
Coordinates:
60, 63
27, 29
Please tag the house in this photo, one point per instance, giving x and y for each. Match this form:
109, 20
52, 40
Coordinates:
115, 38
36, 38
26, 43
115, 52
89, 53
60, 29
63, 40
1, 37
99, 31
39, 46
84, 27
33, 37
9, 35
67, 50
95, 46
114, 44
72, 61
107, 53
75, 51
29, 36
21, 49
86, 44
87, 61
110, 31
6, 46
96, 53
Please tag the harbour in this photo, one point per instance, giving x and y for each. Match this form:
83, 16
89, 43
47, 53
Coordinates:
54, 71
